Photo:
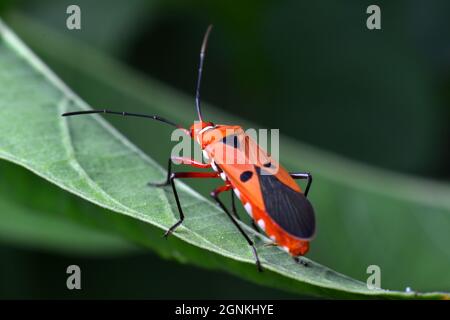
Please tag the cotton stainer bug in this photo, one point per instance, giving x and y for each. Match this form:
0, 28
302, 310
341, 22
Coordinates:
267, 191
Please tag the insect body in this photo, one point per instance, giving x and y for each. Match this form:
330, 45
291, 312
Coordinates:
267, 191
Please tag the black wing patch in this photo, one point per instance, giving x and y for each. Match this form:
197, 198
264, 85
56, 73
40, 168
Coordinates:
267, 165
246, 175
231, 140
288, 208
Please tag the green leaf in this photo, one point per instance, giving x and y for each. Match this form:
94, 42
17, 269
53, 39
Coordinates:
40, 215
24, 226
87, 157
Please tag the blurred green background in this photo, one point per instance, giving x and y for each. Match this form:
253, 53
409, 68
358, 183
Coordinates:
312, 69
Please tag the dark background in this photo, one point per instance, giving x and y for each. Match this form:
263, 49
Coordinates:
312, 69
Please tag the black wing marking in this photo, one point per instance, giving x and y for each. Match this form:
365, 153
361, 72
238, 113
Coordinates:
231, 140
288, 208
245, 176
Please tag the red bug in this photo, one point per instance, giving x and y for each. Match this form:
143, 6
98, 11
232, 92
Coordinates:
267, 191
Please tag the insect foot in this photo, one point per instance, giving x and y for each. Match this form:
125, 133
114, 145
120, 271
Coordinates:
301, 261
158, 184
172, 229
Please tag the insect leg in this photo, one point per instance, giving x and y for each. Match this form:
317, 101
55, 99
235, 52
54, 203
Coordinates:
233, 206
215, 195
303, 175
171, 176
190, 162
178, 175
181, 160
180, 210
167, 182
300, 261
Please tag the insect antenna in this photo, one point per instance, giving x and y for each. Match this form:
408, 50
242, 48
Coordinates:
200, 70
154, 117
